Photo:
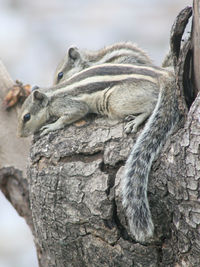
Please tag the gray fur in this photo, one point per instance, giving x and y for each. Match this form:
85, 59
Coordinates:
138, 165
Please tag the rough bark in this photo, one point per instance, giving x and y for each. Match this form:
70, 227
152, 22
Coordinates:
196, 45
74, 182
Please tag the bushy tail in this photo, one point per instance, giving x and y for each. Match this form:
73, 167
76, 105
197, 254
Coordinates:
138, 165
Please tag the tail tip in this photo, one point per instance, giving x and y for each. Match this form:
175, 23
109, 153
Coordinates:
142, 233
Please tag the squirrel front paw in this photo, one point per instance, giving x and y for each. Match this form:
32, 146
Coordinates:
134, 122
46, 129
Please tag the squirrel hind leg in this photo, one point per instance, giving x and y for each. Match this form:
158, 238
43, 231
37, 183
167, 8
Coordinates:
134, 122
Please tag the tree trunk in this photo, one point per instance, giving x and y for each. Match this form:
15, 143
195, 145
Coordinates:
74, 184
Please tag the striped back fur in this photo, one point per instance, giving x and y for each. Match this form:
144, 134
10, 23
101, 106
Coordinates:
106, 75
76, 60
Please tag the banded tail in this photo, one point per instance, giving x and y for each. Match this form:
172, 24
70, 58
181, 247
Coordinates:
137, 168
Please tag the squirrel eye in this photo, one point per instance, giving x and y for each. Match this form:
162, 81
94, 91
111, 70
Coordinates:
60, 75
27, 117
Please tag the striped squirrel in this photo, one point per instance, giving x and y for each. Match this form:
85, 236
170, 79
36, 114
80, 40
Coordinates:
114, 90
76, 60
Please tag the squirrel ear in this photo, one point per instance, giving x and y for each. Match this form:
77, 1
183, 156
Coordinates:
41, 97
74, 53
37, 95
35, 87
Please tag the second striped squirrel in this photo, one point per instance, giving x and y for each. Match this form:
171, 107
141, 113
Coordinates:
76, 60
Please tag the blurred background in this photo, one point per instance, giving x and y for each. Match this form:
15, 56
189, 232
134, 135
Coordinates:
34, 35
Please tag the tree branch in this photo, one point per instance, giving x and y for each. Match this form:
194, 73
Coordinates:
13, 151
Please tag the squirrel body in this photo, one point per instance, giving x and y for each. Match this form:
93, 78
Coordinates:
76, 60
116, 91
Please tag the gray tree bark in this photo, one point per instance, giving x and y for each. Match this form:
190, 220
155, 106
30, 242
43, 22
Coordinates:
72, 198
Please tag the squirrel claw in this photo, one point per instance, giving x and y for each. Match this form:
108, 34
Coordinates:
129, 118
130, 127
45, 130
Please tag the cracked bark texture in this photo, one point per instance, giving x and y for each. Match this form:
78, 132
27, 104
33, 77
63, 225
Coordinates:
73, 203
74, 197
76, 201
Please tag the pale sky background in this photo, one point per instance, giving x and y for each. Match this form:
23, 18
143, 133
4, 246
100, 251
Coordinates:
34, 35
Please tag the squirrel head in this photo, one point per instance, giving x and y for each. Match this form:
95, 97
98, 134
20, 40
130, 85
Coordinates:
33, 114
73, 62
